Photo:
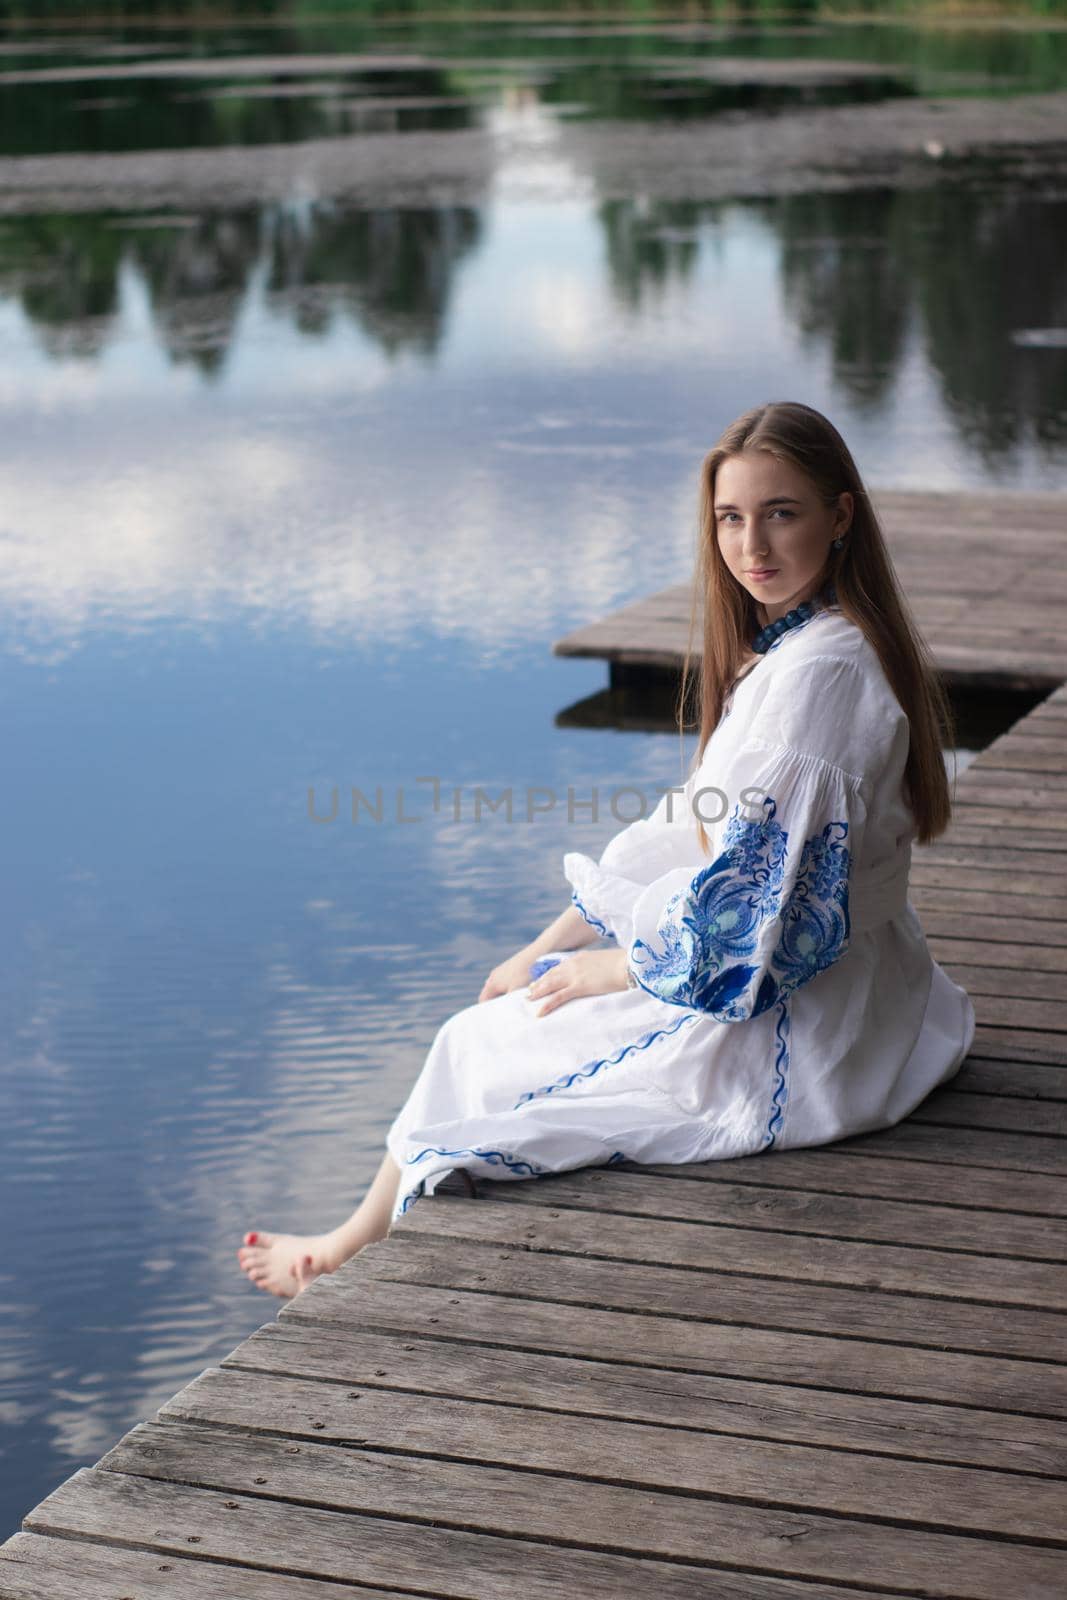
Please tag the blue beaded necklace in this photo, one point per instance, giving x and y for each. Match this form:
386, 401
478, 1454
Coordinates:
792, 619
774, 630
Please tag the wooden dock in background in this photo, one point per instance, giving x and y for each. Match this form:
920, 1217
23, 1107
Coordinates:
826, 1374
984, 573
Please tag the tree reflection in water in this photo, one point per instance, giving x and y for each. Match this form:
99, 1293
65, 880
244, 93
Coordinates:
390, 271
867, 279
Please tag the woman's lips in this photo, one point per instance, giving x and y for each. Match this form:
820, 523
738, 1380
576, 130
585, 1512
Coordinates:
763, 572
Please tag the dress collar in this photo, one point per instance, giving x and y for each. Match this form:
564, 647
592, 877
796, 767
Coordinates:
820, 610
823, 610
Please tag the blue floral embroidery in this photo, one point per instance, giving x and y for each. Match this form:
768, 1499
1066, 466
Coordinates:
591, 1068
494, 1158
815, 922
409, 1199
781, 1078
620, 1155
708, 930
594, 922
542, 965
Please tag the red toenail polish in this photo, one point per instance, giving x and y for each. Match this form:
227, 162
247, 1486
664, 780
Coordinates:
252, 1237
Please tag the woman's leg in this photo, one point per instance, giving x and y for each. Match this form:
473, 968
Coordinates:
285, 1263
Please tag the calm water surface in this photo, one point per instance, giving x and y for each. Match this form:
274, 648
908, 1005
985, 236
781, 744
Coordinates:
300, 497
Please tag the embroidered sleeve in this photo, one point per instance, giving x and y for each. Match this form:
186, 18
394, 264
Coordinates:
770, 910
768, 913
604, 891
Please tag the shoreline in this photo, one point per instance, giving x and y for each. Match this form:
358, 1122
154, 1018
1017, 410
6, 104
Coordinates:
903, 143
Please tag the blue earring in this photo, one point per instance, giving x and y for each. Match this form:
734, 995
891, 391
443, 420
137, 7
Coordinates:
839, 543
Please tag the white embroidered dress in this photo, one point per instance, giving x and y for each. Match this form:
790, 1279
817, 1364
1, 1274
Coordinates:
786, 997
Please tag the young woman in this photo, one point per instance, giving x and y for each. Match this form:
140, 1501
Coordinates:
765, 984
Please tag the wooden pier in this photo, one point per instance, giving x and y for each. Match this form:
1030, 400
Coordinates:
984, 574
828, 1374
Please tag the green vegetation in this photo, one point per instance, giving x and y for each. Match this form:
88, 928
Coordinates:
159, 13
639, 71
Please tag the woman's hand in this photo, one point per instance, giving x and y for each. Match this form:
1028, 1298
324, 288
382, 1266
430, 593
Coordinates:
514, 973
569, 932
584, 972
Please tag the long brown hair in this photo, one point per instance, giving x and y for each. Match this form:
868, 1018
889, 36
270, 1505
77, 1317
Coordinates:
868, 594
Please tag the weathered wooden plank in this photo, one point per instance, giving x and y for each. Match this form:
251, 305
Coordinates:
1000, 643
990, 836
713, 1404
758, 1252
271, 1535
999, 648
932, 537
987, 615
1013, 983
984, 952
36, 1567
945, 930
1017, 754
476, 1435
938, 510
866, 1310
1045, 1015
826, 1170
1045, 1019
1020, 1044
1032, 736
1026, 1080
1029, 783
979, 803
1000, 637
490, 1498
986, 620
803, 1211
1020, 802
999, 669
962, 1147
950, 1109
964, 869
998, 907
757, 1542
481, 1309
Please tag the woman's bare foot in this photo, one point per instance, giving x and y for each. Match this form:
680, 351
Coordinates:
285, 1263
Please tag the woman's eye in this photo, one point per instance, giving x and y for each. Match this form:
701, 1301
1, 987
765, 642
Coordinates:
735, 516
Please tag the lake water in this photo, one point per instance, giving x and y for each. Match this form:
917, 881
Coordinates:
298, 497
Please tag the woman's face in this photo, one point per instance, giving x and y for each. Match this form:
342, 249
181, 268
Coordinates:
773, 530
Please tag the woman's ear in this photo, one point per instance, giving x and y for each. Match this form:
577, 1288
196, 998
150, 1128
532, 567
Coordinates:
845, 507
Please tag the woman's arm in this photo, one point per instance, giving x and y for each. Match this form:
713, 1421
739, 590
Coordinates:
568, 932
